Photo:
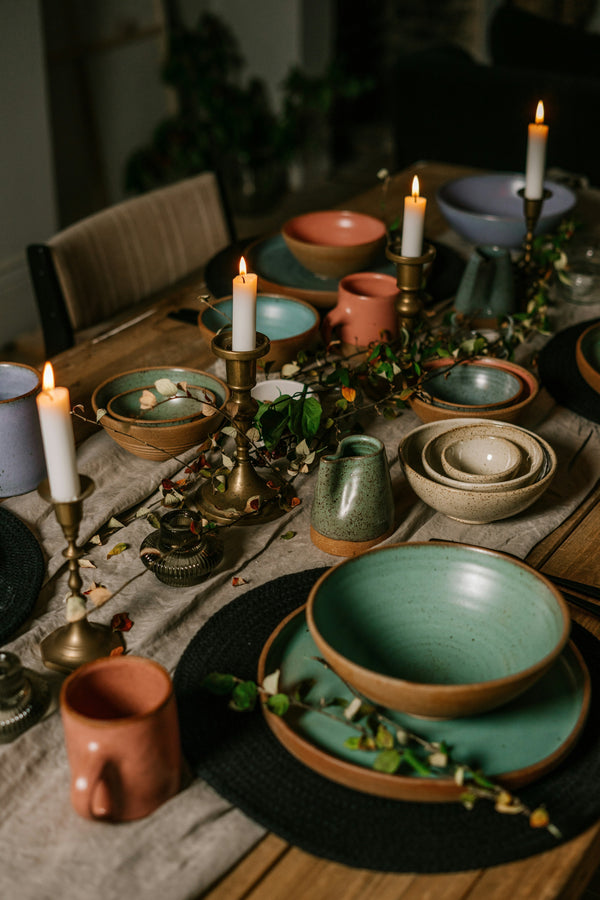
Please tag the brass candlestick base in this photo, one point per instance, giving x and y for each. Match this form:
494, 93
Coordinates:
243, 483
79, 642
532, 210
409, 304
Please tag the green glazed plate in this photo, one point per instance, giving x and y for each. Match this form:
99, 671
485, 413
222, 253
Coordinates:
515, 744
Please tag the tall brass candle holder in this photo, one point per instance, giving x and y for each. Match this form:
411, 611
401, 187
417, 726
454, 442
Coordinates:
409, 276
79, 642
243, 483
532, 210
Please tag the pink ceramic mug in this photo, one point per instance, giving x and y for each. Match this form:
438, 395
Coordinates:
122, 737
365, 310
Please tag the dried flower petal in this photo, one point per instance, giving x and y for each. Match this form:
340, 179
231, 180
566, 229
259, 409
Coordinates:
86, 564
98, 595
121, 622
117, 651
539, 818
75, 608
271, 682
147, 400
237, 580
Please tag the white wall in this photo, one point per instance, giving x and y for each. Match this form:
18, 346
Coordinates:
27, 209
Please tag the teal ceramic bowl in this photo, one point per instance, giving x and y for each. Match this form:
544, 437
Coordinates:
473, 387
437, 630
159, 440
168, 410
290, 324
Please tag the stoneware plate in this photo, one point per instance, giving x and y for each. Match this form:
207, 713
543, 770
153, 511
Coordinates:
517, 744
587, 355
168, 411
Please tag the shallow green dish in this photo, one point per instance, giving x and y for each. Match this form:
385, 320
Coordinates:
472, 387
517, 743
126, 406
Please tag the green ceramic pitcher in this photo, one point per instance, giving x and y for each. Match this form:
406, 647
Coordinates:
487, 286
353, 506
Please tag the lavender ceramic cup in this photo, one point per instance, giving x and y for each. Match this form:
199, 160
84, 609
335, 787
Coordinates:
22, 464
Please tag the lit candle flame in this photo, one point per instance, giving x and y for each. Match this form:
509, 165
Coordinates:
415, 188
243, 269
539, 114
48, 377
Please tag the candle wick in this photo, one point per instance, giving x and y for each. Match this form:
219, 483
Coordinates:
243, 277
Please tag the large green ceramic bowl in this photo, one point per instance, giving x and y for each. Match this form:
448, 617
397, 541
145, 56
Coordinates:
159, 440
290, 324
437, 630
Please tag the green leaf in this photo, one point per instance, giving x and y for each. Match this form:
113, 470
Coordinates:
311, 416
353, 743
387, 761
217, 683
279, 704
384, 738
288, 535
244, 696
409, 757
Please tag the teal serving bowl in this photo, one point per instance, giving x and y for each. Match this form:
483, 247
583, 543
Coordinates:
437, 630
290, 324
472, 387
159, 440
168, 410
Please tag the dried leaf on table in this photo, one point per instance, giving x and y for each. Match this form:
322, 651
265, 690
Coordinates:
121, 622
86, 564
98, 595
96, 539
237, 580
288, 535
99, 413
114, 523
117, 651
117, 549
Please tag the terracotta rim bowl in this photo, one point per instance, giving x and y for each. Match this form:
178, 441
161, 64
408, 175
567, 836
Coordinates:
476, 507
430, 412
439, 630
587, 355
153, 440
529, 469
290, 324
493, 381
333, 243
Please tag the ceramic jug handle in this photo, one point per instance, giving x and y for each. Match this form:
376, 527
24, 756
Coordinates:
95, 787
334, 317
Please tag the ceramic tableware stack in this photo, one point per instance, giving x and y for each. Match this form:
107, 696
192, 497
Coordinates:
173, 425
477, 470
433, 631
484, 387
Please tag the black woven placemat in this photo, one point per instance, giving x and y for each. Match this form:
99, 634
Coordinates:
21, 573
237, 754
561, 377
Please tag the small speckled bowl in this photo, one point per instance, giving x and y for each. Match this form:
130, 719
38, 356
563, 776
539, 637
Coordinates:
472, 387
471, 505
437, 630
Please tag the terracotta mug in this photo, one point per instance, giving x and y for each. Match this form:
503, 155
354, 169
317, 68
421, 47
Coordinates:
365, 309
122, 737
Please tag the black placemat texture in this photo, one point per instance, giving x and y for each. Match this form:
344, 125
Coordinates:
21, 573
561, 377
237, 754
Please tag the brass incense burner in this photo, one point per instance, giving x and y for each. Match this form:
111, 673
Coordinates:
79, 642
244, 486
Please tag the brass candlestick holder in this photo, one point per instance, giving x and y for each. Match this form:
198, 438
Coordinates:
532, 210
243, 483
79, 642
409, 269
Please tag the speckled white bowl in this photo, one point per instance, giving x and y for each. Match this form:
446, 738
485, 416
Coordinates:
481, 460
471, 506
532, 455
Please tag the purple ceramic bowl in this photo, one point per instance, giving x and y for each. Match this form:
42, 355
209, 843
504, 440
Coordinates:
487, 209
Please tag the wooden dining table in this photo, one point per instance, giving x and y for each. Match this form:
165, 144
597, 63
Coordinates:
275, 869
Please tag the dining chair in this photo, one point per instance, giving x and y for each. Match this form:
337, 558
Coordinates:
113, 259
